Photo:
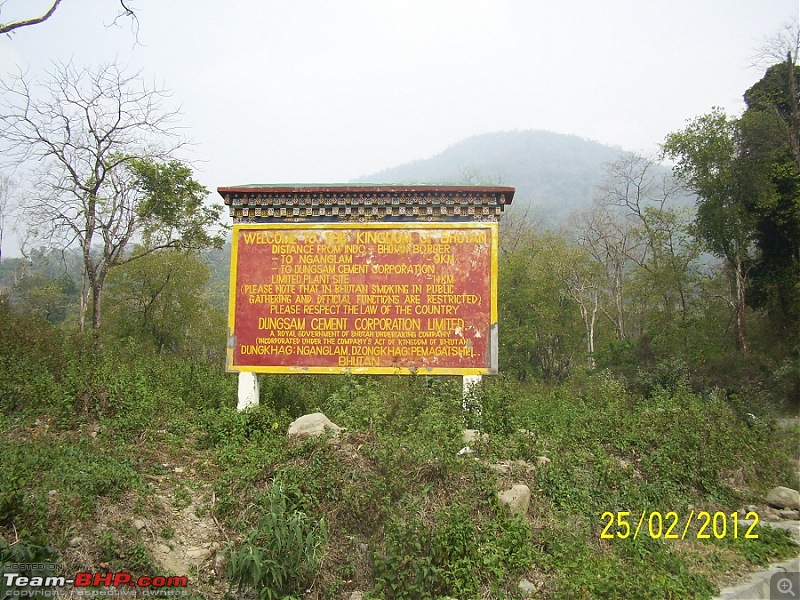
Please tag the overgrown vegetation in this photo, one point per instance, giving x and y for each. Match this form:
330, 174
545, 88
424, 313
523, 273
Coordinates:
389, 507
282, 555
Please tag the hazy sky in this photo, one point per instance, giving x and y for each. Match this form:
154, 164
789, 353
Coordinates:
328, 90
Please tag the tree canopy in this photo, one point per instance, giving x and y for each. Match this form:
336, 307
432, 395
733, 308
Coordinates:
770, 130
101, 147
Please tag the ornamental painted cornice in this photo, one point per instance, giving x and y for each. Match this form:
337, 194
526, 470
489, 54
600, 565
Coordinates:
365, 202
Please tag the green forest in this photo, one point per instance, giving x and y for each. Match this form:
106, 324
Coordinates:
649, 352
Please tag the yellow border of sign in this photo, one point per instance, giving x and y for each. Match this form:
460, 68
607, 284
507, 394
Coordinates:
493, 343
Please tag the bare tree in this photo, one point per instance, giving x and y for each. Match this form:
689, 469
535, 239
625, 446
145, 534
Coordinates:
635, 236
635, 185
14, 25
580, 281
6, 207
775, 48
91, 134
609, 241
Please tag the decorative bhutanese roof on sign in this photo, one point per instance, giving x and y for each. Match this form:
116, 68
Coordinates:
256, 203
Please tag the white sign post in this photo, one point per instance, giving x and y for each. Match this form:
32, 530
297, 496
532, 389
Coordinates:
248, 390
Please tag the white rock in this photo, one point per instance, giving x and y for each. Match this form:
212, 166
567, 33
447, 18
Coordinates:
198, 553
138, 524
501, 468
526, 587
465, 451
517, 499
543, 461
783, 497
473, 436
312, 425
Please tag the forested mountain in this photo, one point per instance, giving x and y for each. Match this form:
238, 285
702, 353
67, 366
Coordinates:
555, 174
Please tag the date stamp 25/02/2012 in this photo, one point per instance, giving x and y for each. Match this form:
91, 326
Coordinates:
670, 526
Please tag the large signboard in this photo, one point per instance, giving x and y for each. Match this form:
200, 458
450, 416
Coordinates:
380, 298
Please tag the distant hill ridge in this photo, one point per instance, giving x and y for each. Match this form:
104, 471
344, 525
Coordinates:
554, 174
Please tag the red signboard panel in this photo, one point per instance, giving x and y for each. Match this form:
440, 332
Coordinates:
367, 298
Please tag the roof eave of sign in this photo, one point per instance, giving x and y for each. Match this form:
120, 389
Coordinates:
360, 188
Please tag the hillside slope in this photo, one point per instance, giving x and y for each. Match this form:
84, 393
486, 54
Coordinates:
555, 174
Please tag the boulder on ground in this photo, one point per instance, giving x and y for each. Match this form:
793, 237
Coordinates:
517, 499
312, 425
501, 468
526, 588
473, 436
783, 497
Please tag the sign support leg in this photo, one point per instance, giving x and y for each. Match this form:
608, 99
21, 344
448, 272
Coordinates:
248, 390
467, 399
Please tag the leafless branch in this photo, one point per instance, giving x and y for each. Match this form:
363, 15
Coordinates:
775, 47
8, 28
126, 12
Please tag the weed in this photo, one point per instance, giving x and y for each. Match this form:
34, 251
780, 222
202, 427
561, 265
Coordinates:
123, 551
181, 498
282, 555
40, 559
457, 556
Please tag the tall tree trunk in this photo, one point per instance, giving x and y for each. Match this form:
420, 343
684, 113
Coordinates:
740, 308
89, 277
592, 321
98, 282
84, 306
619, 302
96, 306
589, 319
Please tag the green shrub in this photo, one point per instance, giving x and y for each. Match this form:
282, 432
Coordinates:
67, 478
670, 374
122, 550
458, 555
40, 559
280, 557
406, 569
